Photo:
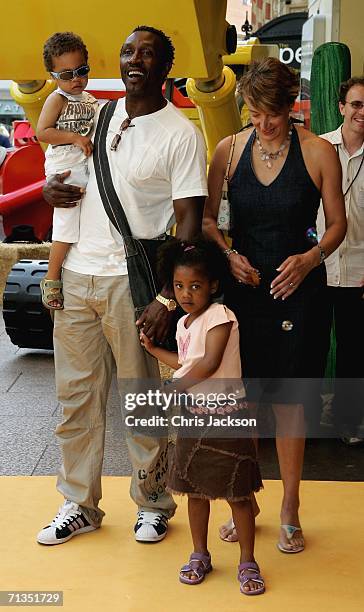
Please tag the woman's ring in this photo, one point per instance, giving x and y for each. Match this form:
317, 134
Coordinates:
291, 284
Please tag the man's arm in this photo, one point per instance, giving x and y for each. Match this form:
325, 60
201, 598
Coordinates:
156, 319
59, 195
188, 213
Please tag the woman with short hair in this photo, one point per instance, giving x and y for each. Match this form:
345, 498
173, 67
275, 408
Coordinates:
278, 174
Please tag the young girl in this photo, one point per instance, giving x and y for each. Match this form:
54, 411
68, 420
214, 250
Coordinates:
66, 123
207, 468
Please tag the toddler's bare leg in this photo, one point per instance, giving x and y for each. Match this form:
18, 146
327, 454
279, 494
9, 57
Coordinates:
57, 255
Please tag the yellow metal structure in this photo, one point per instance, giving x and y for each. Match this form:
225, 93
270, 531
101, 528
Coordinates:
31, 96
249, 50
217, 107
197, 28
218, 110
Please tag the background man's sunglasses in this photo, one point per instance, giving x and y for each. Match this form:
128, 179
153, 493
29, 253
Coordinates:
69, 75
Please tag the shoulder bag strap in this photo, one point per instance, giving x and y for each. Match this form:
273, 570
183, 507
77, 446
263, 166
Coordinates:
109, 197
228, 165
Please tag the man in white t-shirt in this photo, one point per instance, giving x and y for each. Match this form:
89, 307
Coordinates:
159, 173
345, 267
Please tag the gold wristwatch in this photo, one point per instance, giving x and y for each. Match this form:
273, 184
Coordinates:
167, 302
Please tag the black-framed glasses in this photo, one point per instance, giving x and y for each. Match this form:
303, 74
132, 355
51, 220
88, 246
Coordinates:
69, 75
124, 126
356, 104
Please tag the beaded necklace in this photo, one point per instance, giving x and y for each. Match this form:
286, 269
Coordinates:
268, 157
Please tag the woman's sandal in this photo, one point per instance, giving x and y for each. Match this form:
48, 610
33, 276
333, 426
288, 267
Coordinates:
227, 532
50, 294
249, 572
200, 570
290, 530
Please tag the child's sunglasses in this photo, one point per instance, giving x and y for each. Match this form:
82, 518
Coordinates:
69, 75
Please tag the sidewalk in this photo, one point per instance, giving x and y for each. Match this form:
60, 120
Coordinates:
29, 413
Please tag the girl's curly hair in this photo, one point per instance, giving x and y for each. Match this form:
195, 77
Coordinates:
199, 253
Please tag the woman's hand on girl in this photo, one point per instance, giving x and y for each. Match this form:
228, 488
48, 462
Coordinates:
242, 270
292, 272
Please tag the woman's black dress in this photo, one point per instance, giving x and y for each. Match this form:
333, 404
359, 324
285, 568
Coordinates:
270, 223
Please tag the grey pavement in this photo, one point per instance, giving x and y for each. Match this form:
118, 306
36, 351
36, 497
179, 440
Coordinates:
29, 413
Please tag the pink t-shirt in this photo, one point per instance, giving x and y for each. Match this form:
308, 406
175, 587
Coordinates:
191, 343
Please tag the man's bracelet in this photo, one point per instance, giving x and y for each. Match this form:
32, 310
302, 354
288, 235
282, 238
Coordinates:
322, 253
228, 252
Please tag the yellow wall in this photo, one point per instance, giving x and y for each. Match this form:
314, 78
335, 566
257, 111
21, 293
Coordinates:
352, 32
197, 28
344, 21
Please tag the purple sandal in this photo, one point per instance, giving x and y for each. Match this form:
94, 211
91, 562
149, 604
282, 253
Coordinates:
200, 570
252, 575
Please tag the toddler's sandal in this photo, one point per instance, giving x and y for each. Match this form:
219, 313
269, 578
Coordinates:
51, 291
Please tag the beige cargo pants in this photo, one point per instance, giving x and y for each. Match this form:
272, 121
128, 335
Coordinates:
95, 329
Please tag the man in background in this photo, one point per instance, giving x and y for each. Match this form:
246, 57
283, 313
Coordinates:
345, 268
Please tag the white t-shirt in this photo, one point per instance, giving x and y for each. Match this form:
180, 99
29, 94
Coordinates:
191, 343
160, 159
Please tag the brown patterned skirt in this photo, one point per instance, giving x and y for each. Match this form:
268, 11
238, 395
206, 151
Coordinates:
213, 468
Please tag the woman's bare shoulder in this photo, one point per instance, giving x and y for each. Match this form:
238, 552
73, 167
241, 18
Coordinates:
223, 147
243, 136
314, 146
310, 140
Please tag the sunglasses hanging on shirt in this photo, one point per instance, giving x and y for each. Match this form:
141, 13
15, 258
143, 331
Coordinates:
124, 126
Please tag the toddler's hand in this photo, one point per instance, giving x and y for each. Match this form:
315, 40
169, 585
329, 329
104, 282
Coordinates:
85, 143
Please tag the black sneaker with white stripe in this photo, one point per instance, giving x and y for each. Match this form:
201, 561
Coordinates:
150, 526
70, 521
